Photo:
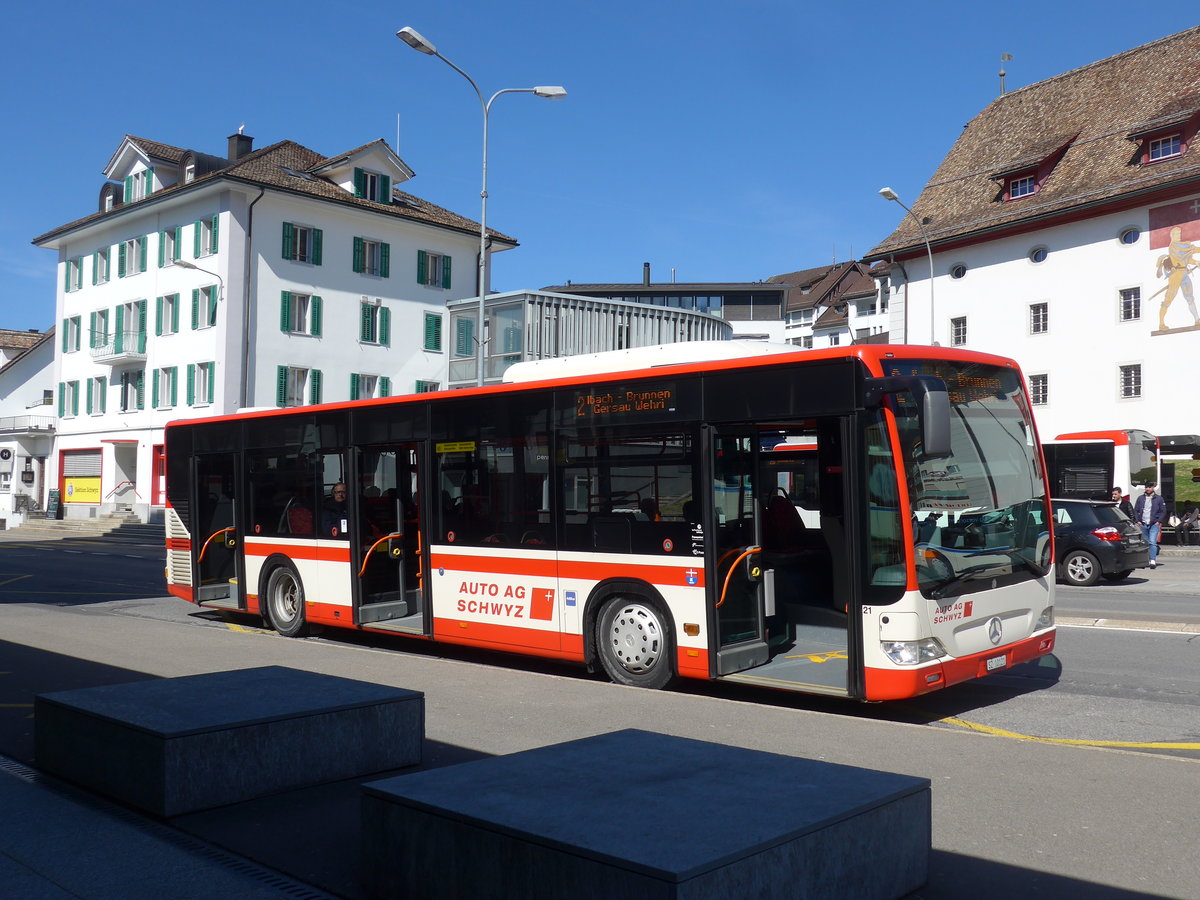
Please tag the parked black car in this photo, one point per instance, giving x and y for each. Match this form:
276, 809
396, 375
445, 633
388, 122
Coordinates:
1093, 538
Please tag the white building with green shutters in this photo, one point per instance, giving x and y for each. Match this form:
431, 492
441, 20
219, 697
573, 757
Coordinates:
270, 277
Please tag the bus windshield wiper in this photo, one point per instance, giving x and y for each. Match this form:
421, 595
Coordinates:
971, 574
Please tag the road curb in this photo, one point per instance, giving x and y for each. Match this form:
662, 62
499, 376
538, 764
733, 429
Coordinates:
1092, 622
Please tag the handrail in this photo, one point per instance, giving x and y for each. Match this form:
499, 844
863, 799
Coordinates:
121, 485
729, 574
203, 549
367, 555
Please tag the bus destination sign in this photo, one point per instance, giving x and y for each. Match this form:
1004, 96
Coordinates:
964, 382
598, 404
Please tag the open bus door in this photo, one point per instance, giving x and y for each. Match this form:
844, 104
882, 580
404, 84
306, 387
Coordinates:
782, 586
388, 559
217, 563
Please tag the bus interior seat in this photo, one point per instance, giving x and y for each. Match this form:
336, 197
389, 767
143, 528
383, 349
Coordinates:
296, 519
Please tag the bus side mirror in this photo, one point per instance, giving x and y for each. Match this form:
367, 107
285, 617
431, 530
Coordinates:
933, 406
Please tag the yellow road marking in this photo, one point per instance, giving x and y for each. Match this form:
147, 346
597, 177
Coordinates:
1073, 742
14, 578
242, 629
819, 657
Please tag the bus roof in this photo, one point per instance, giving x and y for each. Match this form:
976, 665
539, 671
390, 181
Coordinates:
636, 358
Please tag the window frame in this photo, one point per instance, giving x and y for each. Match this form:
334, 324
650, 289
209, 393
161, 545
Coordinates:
1153, 144
1129, 381
102, 266
1125, 300
1039, 317
1027, 183
1039, 389
958, 331
133, 383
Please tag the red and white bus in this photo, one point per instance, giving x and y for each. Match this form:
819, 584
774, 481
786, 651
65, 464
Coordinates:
1089, 464
637, 519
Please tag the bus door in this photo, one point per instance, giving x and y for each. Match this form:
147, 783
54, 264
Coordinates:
388, 558
216, 539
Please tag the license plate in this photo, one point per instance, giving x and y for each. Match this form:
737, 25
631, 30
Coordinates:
996, 662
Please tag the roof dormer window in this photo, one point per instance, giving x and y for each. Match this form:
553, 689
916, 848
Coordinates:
1166, 147
372, 186
1021, 186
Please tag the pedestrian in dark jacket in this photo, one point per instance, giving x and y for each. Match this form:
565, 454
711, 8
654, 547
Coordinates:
1149, 512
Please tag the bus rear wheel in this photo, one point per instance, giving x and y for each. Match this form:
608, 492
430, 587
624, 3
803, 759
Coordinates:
634, 643
285, 602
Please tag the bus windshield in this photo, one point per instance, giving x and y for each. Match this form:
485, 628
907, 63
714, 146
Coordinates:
979, 513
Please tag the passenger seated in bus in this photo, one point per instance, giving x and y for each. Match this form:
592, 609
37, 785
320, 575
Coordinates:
647, 510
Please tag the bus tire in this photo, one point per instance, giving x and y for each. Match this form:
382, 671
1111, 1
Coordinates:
285, 601
633, 641
1081, 569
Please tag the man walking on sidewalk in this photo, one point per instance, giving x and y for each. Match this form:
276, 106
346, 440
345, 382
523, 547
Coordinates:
1149, 512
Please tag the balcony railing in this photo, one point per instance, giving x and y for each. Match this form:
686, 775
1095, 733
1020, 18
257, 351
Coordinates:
16, 425
119, 348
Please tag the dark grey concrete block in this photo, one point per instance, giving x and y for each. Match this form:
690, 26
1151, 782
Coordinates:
637, 815
179, 745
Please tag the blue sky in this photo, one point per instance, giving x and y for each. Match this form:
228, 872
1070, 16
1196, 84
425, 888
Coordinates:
726, 142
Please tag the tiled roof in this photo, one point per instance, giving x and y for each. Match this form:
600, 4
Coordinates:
636, 287
825, 285
1096, 108
19, 340
157, 150
269, 166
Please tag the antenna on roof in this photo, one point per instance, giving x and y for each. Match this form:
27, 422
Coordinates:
242, 128
1004, 57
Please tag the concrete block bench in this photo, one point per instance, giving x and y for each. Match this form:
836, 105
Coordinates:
637, 815
178, 745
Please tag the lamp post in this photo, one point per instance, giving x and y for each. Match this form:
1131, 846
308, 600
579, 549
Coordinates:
550, 92
184, 264
888, 194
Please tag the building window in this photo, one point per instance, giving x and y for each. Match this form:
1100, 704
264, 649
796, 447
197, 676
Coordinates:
206, 235
363, 387
164, 391
132, 390
68, 399
372, 186
1130, 304
302, 243
98, 329
1038, 255
372, 257
958, 271
1131, 382
433, 332
166, 314
1130, 235
294, 385
1022, 187
1164, 147
300, 313
374, 323
806, 342
131, 256
130, 333
73, 276
1039, 389
835, 340
1039, 318
200, 383
139, 185
958, 331
170, 245
427, 387
97, 388
204, 307
72, 328
464, 337
189, 173
433, 269
100, 261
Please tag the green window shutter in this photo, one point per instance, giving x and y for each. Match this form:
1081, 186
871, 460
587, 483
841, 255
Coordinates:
121, 260
128, 198
89, 396
281, 381
212, 377
358, 182
178, 249
158, 323
65, 348
154, 390
422, 265
385, 189
102, 396
92, 330
385, 386
463, 334
196, 243
162, 249
385, 326
67, 276
211, 291
143, 243
75, 398
149, 181
365, 321
62, 398
174, 385
289, 249
433, 331
195, 308
141, 310
314, 314
385, 260
95, 267
175, 315
285, 311
353, 385
119, 333
317, 236
358, 263
141, 389
445, 271
314, 383
191, 384
212, 247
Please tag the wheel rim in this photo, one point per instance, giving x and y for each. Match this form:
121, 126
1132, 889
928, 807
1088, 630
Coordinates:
285, 597
1079, 568
636, 638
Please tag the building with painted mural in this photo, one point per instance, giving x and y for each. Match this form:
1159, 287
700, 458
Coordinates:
27, 422
1065, 230
204, 284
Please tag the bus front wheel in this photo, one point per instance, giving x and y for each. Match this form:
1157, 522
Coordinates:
634, 643
285, 602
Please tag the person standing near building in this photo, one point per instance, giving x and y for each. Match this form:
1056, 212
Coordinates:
1149, 513
1118, 497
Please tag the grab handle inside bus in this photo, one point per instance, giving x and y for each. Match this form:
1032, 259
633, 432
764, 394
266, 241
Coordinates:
933, 406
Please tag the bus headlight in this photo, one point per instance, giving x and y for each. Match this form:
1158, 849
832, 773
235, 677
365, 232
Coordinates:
910, 653
1046, 619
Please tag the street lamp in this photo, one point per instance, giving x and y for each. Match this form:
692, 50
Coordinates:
888, 194
184, 264
549, 92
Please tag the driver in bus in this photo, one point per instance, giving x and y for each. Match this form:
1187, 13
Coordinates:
335, 519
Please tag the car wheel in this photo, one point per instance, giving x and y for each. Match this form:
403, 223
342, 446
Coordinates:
285, 602
1118, 576
634, 643
1081, 569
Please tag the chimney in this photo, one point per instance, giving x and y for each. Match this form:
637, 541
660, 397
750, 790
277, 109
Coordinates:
239, 145
646, 274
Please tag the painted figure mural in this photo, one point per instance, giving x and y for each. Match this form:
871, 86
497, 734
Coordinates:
1175, 233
